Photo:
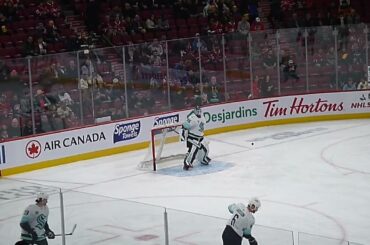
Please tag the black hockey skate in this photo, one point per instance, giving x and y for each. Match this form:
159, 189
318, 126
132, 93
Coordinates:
206, 161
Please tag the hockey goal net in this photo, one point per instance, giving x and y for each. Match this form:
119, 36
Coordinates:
165, 146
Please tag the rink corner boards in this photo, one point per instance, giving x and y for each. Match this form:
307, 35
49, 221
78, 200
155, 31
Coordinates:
142, 145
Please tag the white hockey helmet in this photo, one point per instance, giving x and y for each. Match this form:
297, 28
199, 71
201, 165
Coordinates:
254, 204
42, 195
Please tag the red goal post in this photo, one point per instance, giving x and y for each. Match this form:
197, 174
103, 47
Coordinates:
165, 144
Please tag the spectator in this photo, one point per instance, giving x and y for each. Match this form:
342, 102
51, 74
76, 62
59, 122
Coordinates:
64, 97
4, 71
40, 29
150, 23
290, 71
84, 82
71, 70
14, 130
51, 32
267, 88
244, 25
256, 91
4, 132
42, 102
363, 84
97, 80
27, 129
215, 27
3, 24
214, 90
117, 112
29, 47
319, 59
40, 48
64, 112
137, 26
269, 62
25, 103
257, 25
211, 9
117, 27
349, 85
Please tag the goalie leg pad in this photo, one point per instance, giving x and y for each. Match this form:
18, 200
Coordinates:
190, 156
204, 147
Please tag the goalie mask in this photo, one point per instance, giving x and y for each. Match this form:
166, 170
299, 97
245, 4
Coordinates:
254, 204
197, 111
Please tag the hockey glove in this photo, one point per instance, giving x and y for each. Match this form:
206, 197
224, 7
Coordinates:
50, 234
251, 239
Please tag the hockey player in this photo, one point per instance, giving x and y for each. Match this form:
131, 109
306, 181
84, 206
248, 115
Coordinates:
34, 222
241, 223
193, 133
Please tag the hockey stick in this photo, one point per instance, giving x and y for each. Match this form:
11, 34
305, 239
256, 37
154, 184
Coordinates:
69, 234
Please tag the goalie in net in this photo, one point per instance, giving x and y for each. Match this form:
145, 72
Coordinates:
168, 141
193, 134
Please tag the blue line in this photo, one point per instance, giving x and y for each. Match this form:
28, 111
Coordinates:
3, 153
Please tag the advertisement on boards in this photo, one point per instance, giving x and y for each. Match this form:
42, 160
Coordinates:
116, 134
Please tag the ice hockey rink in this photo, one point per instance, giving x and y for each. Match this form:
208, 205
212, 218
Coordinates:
313, 180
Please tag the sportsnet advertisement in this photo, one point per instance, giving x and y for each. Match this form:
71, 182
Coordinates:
123, 133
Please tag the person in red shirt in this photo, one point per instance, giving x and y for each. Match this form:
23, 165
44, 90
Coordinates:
257, 25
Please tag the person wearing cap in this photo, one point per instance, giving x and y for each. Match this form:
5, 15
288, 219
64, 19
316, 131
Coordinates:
290, 71
34, 222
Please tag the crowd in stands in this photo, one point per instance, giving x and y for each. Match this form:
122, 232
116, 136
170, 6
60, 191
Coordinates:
69, 92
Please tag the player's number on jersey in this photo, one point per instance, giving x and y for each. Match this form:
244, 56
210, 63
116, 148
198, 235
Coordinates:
233, 220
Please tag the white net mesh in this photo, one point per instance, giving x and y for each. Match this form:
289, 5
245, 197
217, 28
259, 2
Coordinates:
165, 147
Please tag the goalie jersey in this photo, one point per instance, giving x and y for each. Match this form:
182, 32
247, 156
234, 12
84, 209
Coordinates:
195, 125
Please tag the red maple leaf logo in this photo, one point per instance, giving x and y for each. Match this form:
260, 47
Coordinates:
34, 149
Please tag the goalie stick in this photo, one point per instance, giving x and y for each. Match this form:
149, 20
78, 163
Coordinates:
68, 234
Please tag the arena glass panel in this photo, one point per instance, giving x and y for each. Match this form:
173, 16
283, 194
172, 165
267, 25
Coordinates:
15, 99
213, 72
15, 197
184, 79
264, 64
237, 59
111, 221
108, 85
55, 91
351, 56
292, 52
147, 91
321, 59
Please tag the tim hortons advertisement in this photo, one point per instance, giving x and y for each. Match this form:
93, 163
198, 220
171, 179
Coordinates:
314, 105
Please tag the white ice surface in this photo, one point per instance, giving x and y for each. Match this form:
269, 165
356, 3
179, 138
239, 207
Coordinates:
312, 178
